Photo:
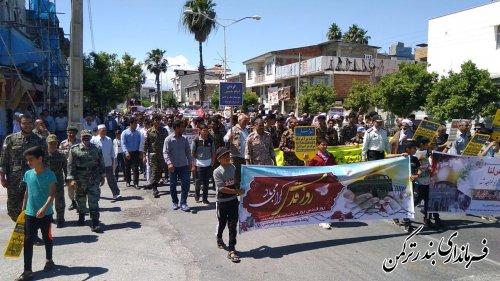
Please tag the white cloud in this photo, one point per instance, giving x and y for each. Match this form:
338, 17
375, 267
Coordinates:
177, 62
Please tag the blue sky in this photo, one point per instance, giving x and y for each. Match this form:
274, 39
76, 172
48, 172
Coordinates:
137, 27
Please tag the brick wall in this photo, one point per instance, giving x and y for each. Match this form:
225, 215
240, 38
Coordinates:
343, 82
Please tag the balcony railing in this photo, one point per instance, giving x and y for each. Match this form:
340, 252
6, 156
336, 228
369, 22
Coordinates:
377, 67
260, 78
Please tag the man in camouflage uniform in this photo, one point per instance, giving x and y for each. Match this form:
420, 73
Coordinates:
321, 127
40, 129
270, 127
13, 166
153, 148
64, 147
349, 130
259, 149
280, 129
237, 138
287, 145
85, 170
56, 162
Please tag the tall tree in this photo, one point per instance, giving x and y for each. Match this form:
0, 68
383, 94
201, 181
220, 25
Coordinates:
155, 63
334, 32
316, 98
405, 90
467, 94
356, 34
108, 81
200, 24
360, 97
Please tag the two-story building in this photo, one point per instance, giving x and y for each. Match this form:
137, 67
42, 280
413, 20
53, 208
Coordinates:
274, 75
472, 34
186, 84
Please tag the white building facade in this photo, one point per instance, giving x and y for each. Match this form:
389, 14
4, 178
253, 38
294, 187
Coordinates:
472, 34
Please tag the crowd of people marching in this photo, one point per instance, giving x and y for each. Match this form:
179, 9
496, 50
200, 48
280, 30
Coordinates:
152, 145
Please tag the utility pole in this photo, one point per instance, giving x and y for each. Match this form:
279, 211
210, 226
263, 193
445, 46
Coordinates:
75, 103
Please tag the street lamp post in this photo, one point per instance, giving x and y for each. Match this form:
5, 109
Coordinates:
224, 26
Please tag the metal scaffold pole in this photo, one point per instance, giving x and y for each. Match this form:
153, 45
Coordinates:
75, 104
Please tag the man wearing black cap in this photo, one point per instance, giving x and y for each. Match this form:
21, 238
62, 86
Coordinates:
349, 130
321, 127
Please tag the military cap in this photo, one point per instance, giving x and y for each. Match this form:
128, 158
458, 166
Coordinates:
51, 138
86, 133
72, 129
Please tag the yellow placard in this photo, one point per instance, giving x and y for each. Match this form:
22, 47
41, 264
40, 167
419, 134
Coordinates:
305, 141
475, 144
16, 242
427, 129
496, 126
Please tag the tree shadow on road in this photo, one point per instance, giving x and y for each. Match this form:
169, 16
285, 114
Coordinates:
197, 209
348, 224
124, 198
62, 270
278, 252
464, 224
67, 240
123, 225
112, 209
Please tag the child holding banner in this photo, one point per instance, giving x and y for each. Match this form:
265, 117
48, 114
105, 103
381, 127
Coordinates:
422, 184
322, 158
227, 202
41, 186
416, 172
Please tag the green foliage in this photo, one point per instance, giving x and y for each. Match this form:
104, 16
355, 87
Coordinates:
156, 64
405, 90
468, 94
314, 99
146, 102
334, 32
249, 99
169, 100
355, 34
360, 97
200, 24
108, 81
214, 99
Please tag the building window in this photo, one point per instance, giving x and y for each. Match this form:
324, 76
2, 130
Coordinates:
498, 36
368, 57
249, 74
269, 68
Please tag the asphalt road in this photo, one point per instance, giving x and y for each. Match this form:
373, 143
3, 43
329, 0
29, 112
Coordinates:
144, 239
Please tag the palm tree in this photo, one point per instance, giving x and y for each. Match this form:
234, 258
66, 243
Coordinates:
200, 25
355, 34
334, 32
156, 64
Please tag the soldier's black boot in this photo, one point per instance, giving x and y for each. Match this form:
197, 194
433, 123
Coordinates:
73, 205
81, 219
156, 194
95, 225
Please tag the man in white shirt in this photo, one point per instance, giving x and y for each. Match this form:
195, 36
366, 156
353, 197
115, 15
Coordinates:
375, 141
108, 154
89, 123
